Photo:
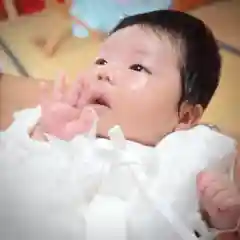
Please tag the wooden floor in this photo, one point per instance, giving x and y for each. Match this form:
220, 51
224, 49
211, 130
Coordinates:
223, 17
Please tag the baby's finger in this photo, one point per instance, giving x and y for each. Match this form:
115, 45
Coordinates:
77, 127
44, 94
64, 112
216, 217
209, 207
209, 180
85, 95
83, 124
209, 186
60, 87
216, 191
221, 201
227, 199
74, 93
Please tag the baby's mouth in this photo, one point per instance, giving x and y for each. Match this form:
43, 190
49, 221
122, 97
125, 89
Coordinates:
101, 101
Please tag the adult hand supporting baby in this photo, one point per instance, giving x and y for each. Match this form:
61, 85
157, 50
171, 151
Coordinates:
63, 112
220, 200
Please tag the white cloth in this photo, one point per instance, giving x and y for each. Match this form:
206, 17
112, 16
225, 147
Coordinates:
90, 190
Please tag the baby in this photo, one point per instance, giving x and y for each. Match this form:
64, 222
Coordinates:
154, 75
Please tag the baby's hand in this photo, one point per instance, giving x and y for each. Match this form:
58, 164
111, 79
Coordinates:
220, 198
63, 112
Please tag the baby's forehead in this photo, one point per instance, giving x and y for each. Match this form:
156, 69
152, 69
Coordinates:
143, 42
142, 39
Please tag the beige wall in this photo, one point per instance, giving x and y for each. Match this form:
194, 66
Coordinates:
224, 109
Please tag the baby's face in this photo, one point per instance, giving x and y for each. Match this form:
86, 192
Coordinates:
137, 74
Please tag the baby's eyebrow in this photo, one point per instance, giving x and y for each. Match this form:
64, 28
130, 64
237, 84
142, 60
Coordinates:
141, 51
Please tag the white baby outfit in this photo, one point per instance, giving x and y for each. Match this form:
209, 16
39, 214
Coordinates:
98, 189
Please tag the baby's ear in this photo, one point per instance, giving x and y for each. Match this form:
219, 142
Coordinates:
189, 115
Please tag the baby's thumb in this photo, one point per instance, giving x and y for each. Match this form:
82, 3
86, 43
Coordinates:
84, 124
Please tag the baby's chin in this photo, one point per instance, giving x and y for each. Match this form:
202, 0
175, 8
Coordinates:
102, 136
106, 122
132, 138
102, 132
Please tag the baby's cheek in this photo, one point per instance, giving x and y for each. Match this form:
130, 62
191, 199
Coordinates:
139, 82
131, 80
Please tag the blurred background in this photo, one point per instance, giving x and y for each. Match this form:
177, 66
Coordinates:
25, 31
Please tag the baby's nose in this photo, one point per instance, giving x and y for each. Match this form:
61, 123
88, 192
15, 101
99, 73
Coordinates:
104, 74
103, 77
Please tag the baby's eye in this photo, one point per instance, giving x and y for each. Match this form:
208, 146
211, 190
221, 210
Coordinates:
100, 61
139, 68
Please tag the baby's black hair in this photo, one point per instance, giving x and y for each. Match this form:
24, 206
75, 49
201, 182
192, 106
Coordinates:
201, 62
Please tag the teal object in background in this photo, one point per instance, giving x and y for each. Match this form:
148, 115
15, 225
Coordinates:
103, 15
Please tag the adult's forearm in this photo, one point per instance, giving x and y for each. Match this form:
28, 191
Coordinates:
16, 93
